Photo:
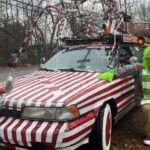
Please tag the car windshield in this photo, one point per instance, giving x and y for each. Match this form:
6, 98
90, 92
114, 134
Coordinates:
79, 59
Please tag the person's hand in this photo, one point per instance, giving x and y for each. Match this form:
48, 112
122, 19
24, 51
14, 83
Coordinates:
107, 76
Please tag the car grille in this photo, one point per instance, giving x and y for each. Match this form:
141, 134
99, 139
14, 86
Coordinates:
10, 113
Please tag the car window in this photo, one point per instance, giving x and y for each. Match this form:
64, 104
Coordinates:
82, 59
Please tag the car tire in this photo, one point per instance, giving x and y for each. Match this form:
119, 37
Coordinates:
100, 136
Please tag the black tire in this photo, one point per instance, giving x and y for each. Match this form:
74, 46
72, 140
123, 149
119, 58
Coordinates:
100, 136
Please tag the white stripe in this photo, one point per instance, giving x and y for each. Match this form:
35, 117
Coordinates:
146, 85
45, 96
80, 81
22, 91
22, 99
62, 77
73, 141
50, 132
38, 94
28, 83
28, 92
39, 132
85, 141
76, 91
18, 132
73, 80
144, 72
99, 103
29, 130
2, 128
103, 94
78, 128
69, 78
61, 134
128, 89
145, 102
130, 102
95, 90
9, 131
1, 119
125, 100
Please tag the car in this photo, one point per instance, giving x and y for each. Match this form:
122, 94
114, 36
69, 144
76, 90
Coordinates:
64, 105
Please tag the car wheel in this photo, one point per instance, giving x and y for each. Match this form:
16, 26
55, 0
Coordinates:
100, 136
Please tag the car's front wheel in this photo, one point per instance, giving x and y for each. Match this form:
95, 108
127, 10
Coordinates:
100, 136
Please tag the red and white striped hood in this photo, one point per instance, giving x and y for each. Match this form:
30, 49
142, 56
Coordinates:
43, 88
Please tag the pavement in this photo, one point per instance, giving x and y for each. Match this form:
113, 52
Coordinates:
18, 71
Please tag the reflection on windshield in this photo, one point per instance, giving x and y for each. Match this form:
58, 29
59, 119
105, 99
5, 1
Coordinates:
85, 59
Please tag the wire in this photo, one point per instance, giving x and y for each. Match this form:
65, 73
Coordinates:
114, 45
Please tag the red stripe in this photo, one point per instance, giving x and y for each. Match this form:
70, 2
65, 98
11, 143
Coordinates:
126, 104
118, 100
28, 34
27, 92
79, 81
105, 96
97, 93
3, 121
44, 133
25, 86
5, 130
85, 91
14, 133
33, 132
23, 133
78, 134
71, 90
67, 79
23, 45
80, 141
83, 120
55, 133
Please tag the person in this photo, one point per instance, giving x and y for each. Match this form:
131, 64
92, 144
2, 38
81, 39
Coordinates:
141, 74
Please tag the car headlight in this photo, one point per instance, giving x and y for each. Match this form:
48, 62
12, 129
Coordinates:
47, 113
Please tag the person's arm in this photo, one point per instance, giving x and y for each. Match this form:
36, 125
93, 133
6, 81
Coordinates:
122, 72
128, 70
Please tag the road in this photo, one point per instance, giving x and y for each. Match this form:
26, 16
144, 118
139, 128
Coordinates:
19, 71
126, 134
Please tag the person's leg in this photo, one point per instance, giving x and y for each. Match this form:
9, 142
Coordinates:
146, 122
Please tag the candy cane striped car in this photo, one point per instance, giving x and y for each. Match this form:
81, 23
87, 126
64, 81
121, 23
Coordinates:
64, 105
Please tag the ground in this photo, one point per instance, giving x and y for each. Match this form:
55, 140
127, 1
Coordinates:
127, 134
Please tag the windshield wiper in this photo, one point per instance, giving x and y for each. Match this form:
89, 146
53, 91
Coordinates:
75, 70
72, 70
46, 69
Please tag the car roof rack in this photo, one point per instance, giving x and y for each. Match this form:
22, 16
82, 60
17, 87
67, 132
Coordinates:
105, 39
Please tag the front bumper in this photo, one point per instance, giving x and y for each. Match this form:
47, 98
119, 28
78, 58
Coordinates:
55, 135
